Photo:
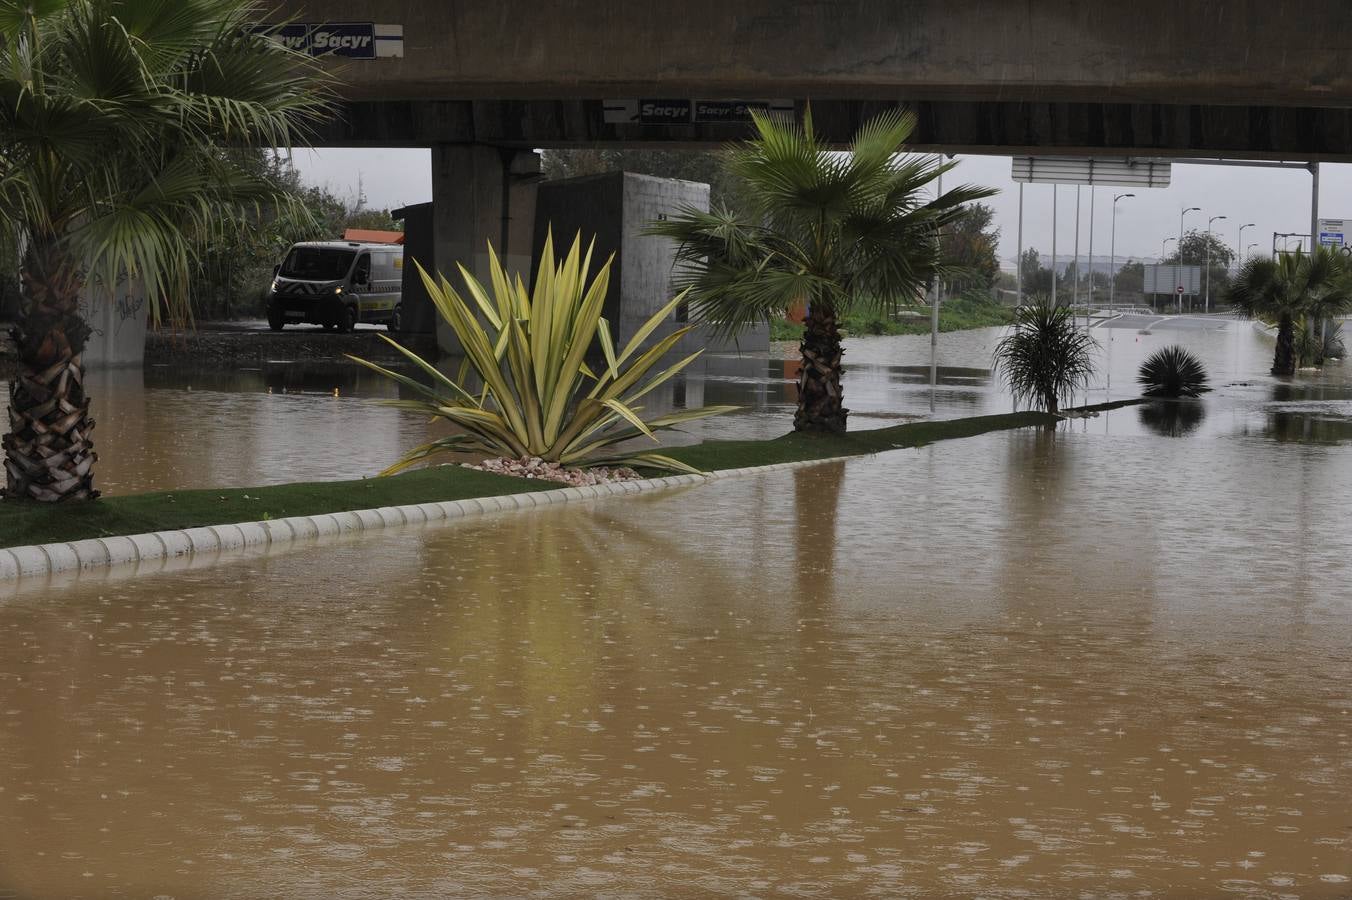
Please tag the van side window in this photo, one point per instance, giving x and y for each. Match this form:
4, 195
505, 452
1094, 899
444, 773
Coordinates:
362, 275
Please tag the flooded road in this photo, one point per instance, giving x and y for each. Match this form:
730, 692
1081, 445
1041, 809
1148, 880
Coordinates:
174, 427
1023, 664
1110, 660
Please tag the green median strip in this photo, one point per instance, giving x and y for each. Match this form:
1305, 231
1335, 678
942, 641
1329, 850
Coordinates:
23, 523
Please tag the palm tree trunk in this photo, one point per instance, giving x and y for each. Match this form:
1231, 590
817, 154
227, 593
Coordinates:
1049, 401
1284, 358
820, 398
48, 453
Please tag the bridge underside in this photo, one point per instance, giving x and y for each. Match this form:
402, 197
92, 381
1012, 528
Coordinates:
1148, 129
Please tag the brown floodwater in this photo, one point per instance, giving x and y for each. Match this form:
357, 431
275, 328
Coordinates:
177, 427
1076, 663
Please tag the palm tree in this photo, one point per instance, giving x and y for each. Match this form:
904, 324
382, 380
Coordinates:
1045, 357
1289, 288
121, 122
842, 231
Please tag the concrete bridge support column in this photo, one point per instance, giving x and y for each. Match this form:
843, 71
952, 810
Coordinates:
481, 194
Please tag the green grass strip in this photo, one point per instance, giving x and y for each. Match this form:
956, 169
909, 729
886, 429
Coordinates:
23, 522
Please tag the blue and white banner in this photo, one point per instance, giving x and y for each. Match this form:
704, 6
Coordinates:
349, 40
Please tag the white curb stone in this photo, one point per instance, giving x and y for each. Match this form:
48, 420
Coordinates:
228, 537
61, 558
302, 527
176, 543
279, 531
370, 519
91, 553
17, 563
32, 561
9, 566
203, 540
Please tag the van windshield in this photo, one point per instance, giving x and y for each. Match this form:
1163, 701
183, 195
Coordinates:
317, 263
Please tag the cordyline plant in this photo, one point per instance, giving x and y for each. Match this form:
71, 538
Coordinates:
1045, 358
120, 121
539, 397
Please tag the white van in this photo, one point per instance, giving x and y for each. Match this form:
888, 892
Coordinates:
338, 284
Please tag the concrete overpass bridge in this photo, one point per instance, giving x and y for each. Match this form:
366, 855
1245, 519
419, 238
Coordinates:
1151, 77
481, 82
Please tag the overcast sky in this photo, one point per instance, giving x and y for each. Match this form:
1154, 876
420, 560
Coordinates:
1273, 199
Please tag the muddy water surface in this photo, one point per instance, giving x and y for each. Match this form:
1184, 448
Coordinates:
1024, 664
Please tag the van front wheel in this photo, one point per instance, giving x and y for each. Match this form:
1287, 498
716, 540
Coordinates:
348, 321
276, 321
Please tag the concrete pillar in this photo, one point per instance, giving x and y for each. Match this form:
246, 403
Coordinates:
118, 319
481, 193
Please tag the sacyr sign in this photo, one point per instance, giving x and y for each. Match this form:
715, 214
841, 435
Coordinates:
683, 111
348, 40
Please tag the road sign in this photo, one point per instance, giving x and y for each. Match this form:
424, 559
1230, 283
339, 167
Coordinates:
1139, 173
685, 111
1333, 233
1169, 279
1179, 290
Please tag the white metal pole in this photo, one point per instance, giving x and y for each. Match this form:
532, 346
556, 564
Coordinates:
1179, 270
1314, 227
1056, 188
1089, 301
1075, 288
1018, 264
1112, 261
934, 308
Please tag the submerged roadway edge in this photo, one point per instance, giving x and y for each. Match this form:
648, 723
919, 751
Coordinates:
41, 560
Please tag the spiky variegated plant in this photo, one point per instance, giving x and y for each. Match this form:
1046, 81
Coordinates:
539, 398
1045, 357
1172, 372
118, 119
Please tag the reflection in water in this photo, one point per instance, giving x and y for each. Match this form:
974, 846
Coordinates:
1172, 418
178, 427
1012, 665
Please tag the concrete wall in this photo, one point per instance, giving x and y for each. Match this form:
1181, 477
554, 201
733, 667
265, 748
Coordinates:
118, 318
417, 314
615, 208
480, 194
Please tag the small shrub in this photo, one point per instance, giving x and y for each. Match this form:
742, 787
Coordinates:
1045, 358
1172, 372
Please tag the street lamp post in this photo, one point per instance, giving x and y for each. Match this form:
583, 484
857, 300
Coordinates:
1112, 255
1206, 308
1179, 270
1239, 246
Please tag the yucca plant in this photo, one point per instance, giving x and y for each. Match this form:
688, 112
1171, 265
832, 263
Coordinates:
1045, 357
539, 397
1172, 372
